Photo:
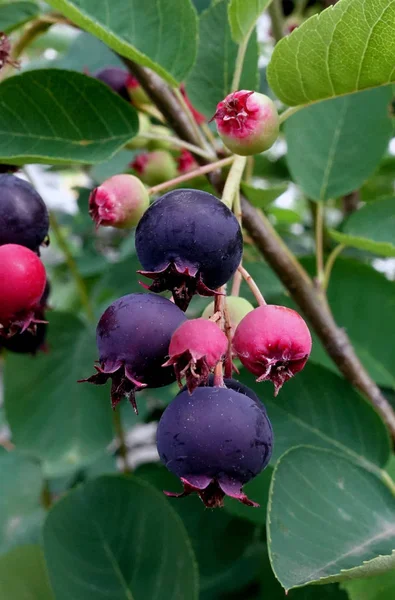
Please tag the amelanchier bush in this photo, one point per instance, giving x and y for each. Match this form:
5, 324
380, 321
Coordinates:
225, 317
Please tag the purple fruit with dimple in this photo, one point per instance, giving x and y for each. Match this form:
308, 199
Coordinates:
188, 242
116, 78
23, 215
133, 337
215, 440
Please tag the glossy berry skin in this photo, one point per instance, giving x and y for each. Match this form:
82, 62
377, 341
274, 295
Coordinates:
237, 307
215, 441
274, 343
23, 215
116, 78
133, 337
247, 122
22, 284
188, 242
195, 348
155, 167
120, 201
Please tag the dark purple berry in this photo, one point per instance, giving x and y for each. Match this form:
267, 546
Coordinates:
133, 337
188, 242
215, 440
23, 215
116, 78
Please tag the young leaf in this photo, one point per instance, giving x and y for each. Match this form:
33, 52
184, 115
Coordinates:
211, 77
243, 15
64, 423
159, 34
120, 537
371, 228
381, 587
21, 513
329, 519
347, 48
61, 117
16, 14
23, 575
323, 138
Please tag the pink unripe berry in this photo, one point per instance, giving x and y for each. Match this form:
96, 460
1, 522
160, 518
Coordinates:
195, 348
155, 167
274, 343
118, 202
247, 122
237, 307
186, 162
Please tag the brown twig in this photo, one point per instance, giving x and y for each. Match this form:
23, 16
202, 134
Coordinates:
311, 300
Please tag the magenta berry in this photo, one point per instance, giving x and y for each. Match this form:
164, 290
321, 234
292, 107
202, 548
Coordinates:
23, 215
215, 440
188, 242
237, 307
274, 343
116, 78
22, 284
118, 202
155, 167
133, 337
195, 348
247, 122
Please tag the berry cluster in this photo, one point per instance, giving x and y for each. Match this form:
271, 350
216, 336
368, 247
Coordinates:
215, 435
23, 290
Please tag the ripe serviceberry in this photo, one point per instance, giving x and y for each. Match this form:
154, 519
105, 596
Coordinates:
22, 284
116, 78
155, 167
247, 122
215, 440
274, 343
23, 215
120, 201
199, 118
188, 242
237, 309
136, 92
195, 348
133, 337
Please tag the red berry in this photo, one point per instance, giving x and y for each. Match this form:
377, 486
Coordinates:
195, 348
247, 122
22, 283
274, 343
120, 202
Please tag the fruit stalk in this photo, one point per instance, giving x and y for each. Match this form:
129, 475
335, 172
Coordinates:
233, 180
175, 142
277, 19
252, 285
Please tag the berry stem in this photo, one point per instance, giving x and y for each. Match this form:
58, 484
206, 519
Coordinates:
277, 18
252, 285
175, 142
240, 61
228, 332
119, 432
219, 304
329, 265
288, 112
236, 283
195, 127
319, 241
233, 180
195, 173
72, 265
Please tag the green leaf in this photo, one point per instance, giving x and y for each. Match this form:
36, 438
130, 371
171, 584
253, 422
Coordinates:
64, 423
159, 34
319, 408
61, 117
23, 575
258, 491
17, 14
347, 48
211, 77
371, 228
21, 514
243, 15
262, 197
87, 54
118, 537
322, 139
319, 495
381, 587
